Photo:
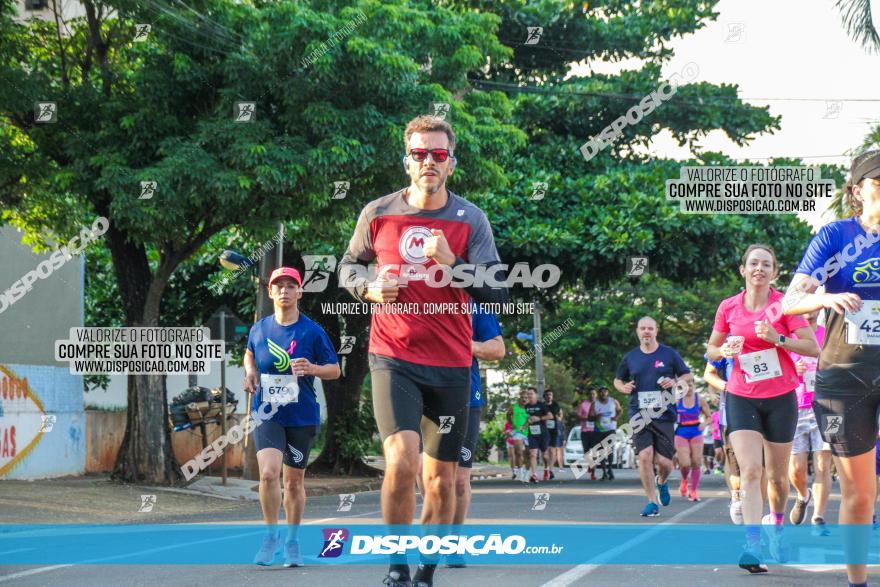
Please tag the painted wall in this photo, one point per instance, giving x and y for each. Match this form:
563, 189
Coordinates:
42, 422
34, 389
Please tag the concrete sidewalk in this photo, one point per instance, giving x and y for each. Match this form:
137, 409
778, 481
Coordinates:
94, 499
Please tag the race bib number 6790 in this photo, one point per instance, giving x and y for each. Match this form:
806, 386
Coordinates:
279, 389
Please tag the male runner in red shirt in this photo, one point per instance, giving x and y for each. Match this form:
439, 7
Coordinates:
420, 360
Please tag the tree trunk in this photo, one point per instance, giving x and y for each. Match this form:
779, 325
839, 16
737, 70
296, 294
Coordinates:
145, 455
343, 397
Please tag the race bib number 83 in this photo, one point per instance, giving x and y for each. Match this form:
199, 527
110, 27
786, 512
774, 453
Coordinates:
760, 365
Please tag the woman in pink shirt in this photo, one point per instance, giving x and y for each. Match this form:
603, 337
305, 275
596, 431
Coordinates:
762, 407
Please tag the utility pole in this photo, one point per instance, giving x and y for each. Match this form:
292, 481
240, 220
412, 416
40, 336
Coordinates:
262, 308
539, 351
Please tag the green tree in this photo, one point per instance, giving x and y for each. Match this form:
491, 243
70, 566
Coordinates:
858, 21
163, 111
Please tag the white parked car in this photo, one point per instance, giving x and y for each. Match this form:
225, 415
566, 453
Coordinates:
574, 450
624, 455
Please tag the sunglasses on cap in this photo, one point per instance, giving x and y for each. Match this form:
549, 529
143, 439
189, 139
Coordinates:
439, 155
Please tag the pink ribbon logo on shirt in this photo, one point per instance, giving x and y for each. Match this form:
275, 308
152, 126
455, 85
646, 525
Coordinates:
292, 346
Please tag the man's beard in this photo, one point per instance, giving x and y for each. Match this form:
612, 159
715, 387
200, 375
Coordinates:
432, 189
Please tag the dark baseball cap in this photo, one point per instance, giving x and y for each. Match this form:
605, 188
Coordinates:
865, 166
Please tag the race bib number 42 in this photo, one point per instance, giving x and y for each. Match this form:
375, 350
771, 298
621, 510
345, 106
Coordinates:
863, 327
760, 365
279, 389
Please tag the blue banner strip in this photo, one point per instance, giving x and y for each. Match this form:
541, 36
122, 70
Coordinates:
522, 544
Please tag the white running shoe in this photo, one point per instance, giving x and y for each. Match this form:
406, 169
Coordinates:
736, 511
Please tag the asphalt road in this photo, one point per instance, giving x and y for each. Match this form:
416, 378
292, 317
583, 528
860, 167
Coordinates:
495, 501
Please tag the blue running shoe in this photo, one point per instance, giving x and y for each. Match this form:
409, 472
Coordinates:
270, 548
292, 557
663, 490
651, 510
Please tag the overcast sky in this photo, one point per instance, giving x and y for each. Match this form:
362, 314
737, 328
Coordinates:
775, 49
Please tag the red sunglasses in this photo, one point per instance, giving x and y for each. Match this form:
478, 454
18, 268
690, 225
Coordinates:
439, 155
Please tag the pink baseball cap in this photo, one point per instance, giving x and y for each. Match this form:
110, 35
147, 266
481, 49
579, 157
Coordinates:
286, 272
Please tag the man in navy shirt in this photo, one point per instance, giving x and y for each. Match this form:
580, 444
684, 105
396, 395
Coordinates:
285, 352
648, 374
488, 345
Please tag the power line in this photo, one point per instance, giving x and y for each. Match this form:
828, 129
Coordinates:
540, 90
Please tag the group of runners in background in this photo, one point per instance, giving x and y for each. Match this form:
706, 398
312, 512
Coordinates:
777, 402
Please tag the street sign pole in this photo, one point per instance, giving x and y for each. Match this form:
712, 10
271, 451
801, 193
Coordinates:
223, 389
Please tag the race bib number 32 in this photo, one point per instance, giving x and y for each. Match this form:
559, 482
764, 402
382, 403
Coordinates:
863, 327
279, 389
760, 365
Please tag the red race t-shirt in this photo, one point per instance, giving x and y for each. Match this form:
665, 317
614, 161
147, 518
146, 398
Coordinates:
390, 232
771, 373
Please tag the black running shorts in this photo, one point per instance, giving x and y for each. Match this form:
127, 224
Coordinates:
846, 404
469, 448
774, 417
295, 442
433, 401
659, 435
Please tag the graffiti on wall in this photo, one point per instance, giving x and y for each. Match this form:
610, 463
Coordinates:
41, 422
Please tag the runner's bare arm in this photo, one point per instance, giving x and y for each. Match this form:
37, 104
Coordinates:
801, 298
710, 375
352, 270
490, 350
624, 388
805, 344
717, 348
251, 374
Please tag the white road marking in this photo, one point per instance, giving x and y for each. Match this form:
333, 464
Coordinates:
38, 570
575, 573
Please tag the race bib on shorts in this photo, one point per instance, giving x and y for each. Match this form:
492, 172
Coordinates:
650, 399
279, 389
863, 327
551, 424
760, 365
810, 381
535, 429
